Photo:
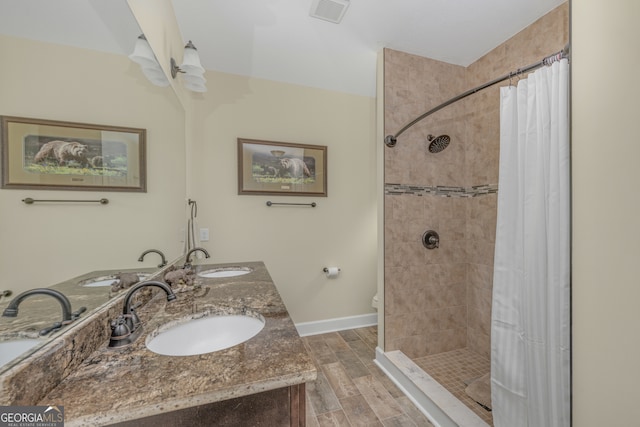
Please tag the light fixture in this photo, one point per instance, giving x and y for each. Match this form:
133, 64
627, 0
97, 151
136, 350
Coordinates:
143, 55
193, 78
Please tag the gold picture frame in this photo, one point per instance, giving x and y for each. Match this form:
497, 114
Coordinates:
281, 168
55, 155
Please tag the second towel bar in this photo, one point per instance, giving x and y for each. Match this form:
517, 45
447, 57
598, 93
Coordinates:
312, 204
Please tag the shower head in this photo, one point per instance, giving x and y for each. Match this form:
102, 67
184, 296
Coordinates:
438, 143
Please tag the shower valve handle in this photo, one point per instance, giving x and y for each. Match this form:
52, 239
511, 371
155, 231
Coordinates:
431, 239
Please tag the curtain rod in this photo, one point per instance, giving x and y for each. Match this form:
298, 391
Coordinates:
391, 140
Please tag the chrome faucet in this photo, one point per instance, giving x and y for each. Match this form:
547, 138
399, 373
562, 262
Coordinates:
12, 308
187, 260
164, 260
127, 327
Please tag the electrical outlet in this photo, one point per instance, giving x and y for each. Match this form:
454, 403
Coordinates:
204, 234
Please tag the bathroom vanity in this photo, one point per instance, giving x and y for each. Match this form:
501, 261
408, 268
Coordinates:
262, 379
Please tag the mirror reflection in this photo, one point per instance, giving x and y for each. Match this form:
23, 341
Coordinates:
60, 69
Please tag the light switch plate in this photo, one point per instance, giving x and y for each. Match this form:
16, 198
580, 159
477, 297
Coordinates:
204, 234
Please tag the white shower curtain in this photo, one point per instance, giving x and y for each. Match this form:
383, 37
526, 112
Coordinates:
530, 343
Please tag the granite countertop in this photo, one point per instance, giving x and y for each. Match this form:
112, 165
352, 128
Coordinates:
126, 383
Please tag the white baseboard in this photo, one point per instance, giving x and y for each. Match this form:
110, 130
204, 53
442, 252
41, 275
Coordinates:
337, 324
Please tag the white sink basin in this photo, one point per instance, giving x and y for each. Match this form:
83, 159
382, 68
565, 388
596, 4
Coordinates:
205, 335
99, 281
225, 272
95, 282
9, 350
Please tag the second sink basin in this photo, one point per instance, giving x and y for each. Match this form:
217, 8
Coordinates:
225, 272
205, 335
96, 282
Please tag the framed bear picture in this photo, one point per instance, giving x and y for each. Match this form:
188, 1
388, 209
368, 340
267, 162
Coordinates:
281, 168
53, 155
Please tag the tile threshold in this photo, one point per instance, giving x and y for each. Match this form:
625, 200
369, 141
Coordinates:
441, 407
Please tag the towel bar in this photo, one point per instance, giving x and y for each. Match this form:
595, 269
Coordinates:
30, 201
312, 204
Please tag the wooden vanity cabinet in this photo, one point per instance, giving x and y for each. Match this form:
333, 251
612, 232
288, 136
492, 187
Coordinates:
282, 407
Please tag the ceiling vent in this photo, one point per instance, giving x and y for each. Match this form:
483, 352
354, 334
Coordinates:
329, 10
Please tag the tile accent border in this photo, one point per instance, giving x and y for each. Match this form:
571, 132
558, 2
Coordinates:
439, 190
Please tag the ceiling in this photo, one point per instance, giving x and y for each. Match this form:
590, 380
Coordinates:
278, 40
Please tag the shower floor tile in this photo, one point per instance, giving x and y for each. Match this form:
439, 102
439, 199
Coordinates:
454, 370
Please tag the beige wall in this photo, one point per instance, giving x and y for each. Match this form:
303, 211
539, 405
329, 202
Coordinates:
439, 300
47, 243
605, 152
294, 242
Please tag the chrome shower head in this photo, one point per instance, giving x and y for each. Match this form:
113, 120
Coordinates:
438, 143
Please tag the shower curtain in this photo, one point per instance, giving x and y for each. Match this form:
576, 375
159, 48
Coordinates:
530, 343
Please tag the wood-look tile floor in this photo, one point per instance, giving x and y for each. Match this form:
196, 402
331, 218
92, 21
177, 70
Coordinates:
350, 389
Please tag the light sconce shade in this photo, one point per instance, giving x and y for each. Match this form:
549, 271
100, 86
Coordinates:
156, 76
194, 83
193, 78
191, 60
143, 55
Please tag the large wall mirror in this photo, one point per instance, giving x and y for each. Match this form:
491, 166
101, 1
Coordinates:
57, 67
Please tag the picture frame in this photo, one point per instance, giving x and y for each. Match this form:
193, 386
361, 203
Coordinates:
281, 168
55, 155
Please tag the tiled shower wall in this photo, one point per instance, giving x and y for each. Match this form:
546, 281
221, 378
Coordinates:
439, 300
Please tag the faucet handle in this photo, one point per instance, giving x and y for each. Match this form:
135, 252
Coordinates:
133, 321
122, 331
76, 314
51, 328
119, 327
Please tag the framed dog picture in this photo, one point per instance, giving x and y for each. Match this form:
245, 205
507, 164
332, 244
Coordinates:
280, 168
53, 155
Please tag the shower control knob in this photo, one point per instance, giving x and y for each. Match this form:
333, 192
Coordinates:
431, 239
